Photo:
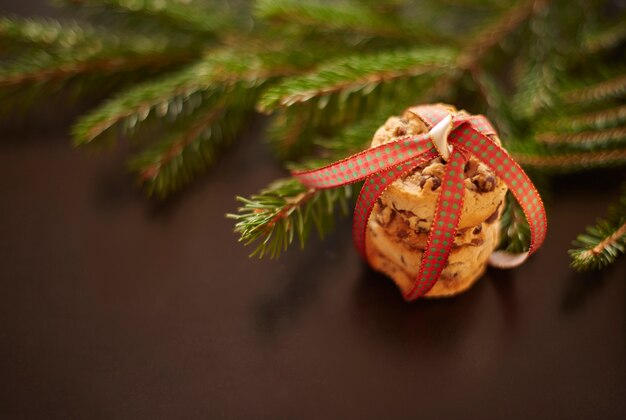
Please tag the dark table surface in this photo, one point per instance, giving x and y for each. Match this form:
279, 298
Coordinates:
114, 306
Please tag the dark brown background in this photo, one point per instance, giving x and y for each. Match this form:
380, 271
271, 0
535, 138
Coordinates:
114, 306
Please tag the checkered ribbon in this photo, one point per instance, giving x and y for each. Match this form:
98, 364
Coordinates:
383, 164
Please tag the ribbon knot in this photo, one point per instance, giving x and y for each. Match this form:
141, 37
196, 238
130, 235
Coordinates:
454, 138
439, 136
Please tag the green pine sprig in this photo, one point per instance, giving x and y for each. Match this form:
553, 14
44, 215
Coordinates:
191, 18
603, 242
178, 158
286, 211
354, 78
217, 79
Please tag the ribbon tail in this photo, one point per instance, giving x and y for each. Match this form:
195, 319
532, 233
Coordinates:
445, 221
474, 142
366, 163
373, 187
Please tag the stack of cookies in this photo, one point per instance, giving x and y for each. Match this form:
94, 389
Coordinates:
397, 232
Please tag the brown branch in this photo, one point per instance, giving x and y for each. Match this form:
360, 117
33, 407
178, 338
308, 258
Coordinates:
291, 204
600, 247
621, 231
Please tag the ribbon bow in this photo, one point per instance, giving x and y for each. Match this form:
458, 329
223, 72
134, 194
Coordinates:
454, 137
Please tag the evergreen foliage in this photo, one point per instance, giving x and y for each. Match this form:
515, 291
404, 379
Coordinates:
603, 242
550, 74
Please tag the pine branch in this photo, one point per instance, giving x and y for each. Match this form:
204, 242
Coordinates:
497, 103
174, 95
605, 118
285, 210
570, 161
537, 90
605, 39
340, 92
498, 30
176, 160
357, 74
352, 139
537, 72
478, 46
49, 56
344, 16
603, 242
17, 33
585, 139
43, 68
606, 89
291, 133
195, 17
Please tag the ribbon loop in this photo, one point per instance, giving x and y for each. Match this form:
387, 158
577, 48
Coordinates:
363, 164
445, 221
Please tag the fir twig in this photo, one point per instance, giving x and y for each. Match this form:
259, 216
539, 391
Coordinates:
191, 16
586, 138
612, 88
341, 91
567, 162
16, 32
604, 118
606, 38
361, 73
344, 16
177, 159
495, 32
603, 242
285, 210
49, 69
180, 93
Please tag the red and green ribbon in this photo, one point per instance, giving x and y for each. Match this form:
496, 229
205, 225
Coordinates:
383, 164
